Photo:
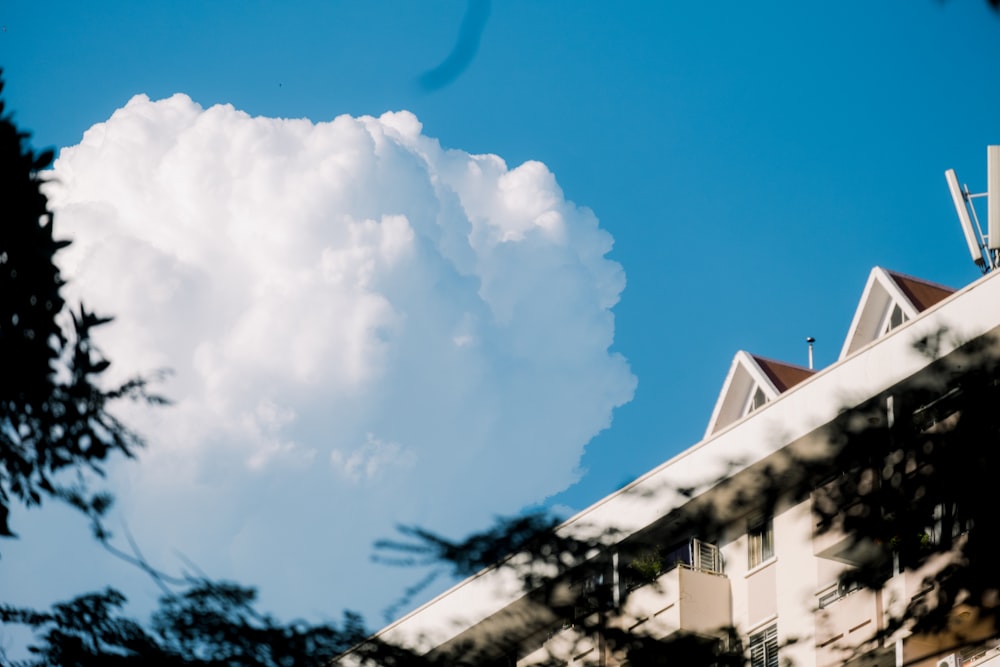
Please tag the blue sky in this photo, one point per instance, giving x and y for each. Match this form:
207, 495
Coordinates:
752, 162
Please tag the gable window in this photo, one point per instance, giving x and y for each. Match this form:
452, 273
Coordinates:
893, 319
757, 399
764, 647
761, 541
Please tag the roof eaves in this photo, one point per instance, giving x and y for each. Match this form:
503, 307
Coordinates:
922, 293
783, 375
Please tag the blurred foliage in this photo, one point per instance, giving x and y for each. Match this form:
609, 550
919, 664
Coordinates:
55, 419
648, 565
210, 624
907, 481
914, 488
54, 412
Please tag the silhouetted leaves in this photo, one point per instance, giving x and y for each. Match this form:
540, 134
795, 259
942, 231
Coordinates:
907, 482
54, 413
54, 420
208, 624
916, 487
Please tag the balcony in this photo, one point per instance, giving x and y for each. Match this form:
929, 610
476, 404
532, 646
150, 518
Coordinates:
847, 620
692, 595
568, 646
683, 599
970, 638
846, 624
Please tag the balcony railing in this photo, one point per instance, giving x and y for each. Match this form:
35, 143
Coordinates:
693, 554
681, 599
846, 624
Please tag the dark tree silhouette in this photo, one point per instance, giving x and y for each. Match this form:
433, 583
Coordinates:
915, 489
907, 479
54, 413
210, 624
907, 482
55, 423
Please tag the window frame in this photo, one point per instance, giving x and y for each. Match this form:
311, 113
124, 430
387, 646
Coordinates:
763, 646
760, 541
888, 324
752, 403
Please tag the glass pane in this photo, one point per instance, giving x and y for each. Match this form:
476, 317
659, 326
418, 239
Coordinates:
761, 542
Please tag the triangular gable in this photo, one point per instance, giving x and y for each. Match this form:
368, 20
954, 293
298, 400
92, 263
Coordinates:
751, 382
889, 300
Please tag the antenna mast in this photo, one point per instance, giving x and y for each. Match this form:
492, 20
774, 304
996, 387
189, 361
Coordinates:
984, 248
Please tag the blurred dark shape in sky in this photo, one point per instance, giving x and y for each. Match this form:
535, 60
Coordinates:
469, 34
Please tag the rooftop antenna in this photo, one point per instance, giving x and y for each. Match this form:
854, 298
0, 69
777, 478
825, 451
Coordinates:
993, 196
810, 340
984, 249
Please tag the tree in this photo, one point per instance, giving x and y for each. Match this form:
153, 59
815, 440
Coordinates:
906, 479
55, 420
916, 487
54, 413
209, 624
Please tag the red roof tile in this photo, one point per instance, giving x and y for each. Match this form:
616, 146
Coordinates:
783, 376
921, 293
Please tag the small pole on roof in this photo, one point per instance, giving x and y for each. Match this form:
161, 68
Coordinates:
810, 340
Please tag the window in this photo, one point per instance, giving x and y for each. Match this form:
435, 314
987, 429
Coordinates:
761, 541
841, 590
764, 647
706, 557
893, 319
756, 399
678, 555
593, 593
949, 524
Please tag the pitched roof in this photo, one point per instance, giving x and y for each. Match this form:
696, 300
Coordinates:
748, 373
922, 293
885, 292
783, 376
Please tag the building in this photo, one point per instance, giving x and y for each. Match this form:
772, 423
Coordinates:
761, 576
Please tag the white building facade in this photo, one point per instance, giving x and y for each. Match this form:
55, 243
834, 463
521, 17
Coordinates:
762, 575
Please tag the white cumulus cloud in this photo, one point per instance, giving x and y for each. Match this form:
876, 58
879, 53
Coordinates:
364, 328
